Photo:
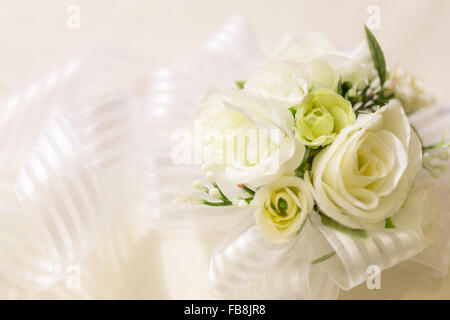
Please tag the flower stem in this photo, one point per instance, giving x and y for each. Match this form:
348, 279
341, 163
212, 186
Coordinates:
247, 189
222, 195
435, 146
323, 258
216, 204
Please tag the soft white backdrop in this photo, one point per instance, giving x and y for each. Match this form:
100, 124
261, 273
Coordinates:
35, 38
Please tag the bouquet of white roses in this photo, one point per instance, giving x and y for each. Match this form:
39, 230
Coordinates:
321, 135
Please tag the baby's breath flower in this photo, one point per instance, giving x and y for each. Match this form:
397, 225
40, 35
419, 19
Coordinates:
210, 176
242, 204
214, 193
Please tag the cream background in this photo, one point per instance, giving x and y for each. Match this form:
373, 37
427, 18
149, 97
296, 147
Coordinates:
168, 265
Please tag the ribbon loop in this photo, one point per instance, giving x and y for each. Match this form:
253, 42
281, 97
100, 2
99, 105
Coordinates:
349, 267
242, 261
291, 279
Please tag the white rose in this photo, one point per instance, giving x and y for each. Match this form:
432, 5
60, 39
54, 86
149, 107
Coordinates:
418, 212
409, 90
327, 63
246, 139
357, 66
281, 80
303, 47
282, 208
364, 176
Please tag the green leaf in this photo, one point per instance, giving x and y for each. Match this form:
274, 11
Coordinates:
306, 162
333, 224
377, 55
440, 145
339, 87
240, 84
293, 110
389, 224
343, 87
346, 86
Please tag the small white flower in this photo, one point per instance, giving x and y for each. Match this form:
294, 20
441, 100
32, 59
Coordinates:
198, 185
409, 90
426, 159
214, 193
235, 201
352, 92
436, 172
189, 198
242, 204
210, 176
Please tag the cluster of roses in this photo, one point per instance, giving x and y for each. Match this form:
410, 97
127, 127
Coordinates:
344, 146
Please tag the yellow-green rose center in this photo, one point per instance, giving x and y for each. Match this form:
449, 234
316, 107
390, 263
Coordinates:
283, 207
320, 121
321, 116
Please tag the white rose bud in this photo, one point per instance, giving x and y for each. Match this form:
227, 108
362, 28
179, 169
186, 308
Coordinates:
235, 201
198, 185
242, 204
210, 176
352, 92
214, 193
282, 208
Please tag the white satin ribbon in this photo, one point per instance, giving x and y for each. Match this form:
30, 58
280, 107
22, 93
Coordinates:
382, 249
292, 278
243, 261
231, 54
245, 266
58, 137
249, 266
